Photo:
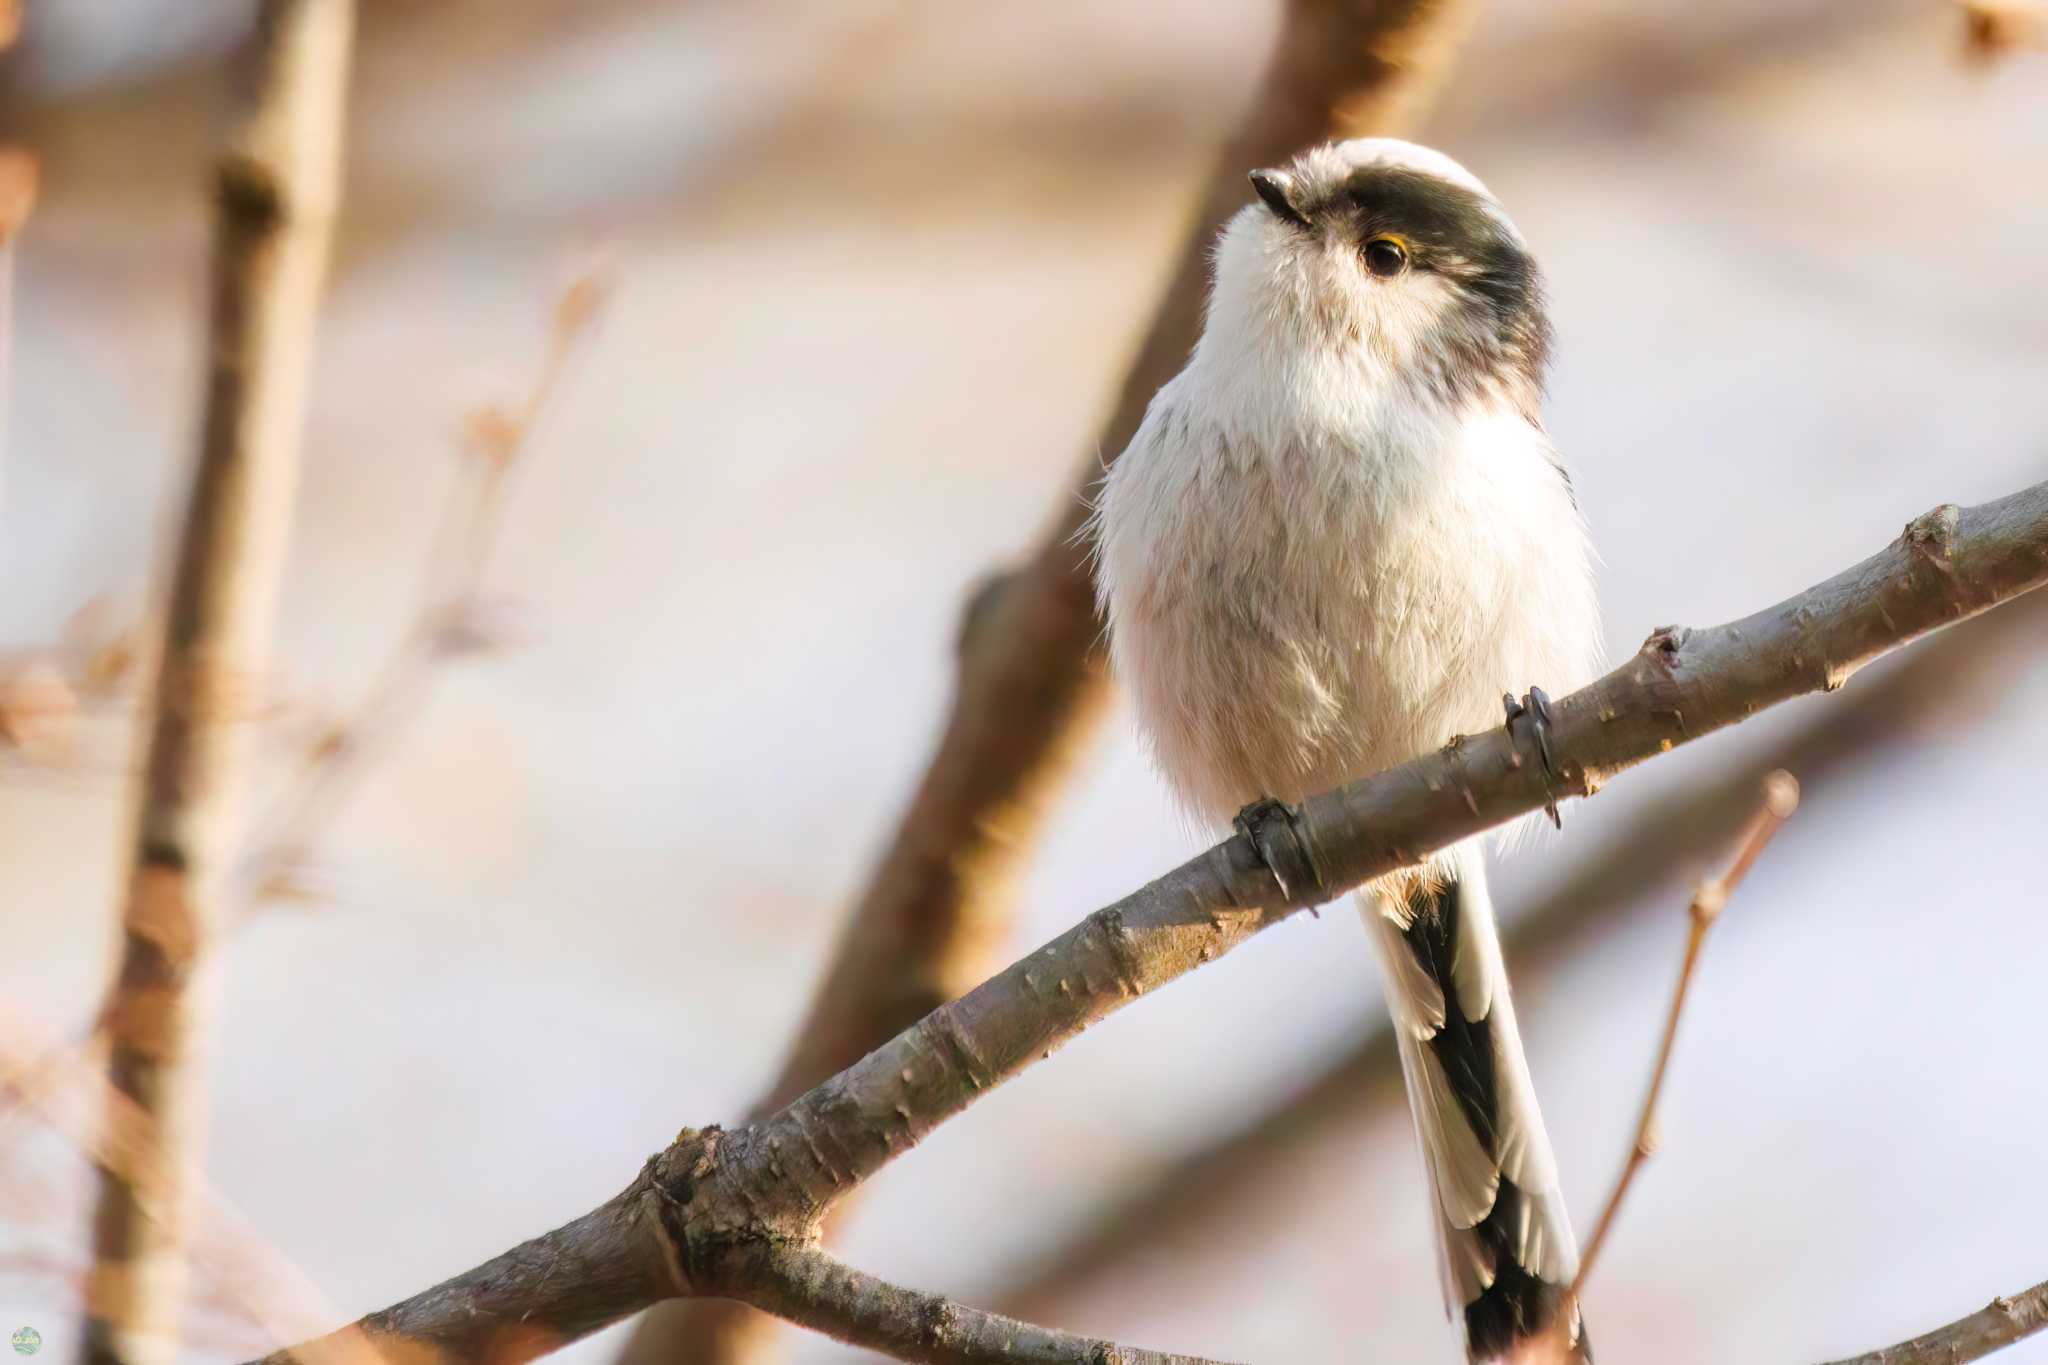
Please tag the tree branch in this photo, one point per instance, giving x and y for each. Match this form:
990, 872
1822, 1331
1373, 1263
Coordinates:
276, 186
806, 1286
1941, 686
1031, 687
706, 1208
1997, 1325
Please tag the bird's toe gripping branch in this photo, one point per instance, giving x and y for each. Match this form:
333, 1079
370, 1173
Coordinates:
1274, 827
1539, 722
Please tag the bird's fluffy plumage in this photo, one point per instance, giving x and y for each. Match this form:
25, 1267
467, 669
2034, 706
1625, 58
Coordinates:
1338, 537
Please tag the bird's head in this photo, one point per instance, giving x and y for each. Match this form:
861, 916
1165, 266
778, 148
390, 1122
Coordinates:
1393, 251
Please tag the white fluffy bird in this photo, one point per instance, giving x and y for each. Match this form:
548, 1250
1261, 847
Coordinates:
1338, 537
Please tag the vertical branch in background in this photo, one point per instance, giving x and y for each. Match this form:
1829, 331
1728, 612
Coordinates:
18, 177
1030, 685
276, 188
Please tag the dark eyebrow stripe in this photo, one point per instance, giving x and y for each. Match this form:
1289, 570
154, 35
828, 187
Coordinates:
1427, 204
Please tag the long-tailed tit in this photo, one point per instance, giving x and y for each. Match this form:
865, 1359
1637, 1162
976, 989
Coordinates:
1339, 536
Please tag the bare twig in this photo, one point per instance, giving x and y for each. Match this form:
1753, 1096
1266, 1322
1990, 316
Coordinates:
276, 187
1992, 1328
697, 1219
1781, 798
1030, 686
446, 622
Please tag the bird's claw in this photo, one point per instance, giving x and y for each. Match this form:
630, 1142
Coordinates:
1274, 827
1535, 708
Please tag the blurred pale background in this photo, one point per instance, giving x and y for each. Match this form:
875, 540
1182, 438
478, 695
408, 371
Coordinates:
877, 267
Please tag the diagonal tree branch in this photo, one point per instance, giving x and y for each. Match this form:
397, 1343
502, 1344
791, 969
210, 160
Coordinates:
704, 1213
1992, 1328
1938, 687
276, 187
1031, 688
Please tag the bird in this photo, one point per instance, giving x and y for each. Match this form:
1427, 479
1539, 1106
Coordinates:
1339, 538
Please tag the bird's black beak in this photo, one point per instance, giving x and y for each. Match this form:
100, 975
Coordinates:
1277, 189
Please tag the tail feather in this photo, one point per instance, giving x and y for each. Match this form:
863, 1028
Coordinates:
1505, 1244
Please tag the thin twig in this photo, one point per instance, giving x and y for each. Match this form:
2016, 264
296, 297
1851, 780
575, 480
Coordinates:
276, 186
445, 621
443, 624
1992, 1328
1781, 798
696, 1220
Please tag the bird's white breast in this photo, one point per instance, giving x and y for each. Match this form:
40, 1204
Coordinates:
1311, 575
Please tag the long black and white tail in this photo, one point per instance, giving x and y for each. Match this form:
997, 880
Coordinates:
1506, 1248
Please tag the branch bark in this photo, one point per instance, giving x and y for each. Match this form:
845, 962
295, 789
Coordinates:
276, 188
1031, 687
704, 1213
807, 1286
1992, 1328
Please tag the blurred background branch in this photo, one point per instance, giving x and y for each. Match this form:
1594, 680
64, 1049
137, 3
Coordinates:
1999, 28
277, 184
451, 619
18, 176
229, 1258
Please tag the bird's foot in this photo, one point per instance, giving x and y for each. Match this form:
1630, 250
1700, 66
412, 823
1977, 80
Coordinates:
1535, 710
1274, 827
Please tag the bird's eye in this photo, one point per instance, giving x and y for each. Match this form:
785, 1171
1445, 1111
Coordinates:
1384, 256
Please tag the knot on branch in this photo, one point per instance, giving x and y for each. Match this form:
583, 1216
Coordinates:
677, 1175
1274, 829
938, 1322
249, 194
1932, 536
1664, 643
